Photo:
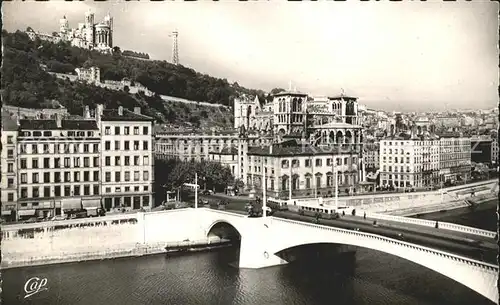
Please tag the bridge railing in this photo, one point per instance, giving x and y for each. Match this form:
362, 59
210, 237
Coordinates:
432, 223
222, 212
475, 263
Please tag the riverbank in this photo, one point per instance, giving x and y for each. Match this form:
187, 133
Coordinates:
136, 251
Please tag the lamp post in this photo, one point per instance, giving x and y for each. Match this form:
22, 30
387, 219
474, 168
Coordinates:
195, 190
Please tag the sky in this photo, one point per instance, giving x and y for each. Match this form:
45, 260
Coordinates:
408, 56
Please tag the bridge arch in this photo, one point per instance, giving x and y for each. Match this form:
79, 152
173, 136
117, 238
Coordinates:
224, 225
478, 276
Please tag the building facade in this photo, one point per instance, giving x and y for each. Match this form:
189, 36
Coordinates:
91, 75
408, 162
454, 159
58, 166
127, 156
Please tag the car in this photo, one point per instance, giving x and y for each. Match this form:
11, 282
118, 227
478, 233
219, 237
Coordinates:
208, 192
58, 217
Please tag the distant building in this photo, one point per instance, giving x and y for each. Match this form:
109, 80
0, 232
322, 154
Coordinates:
89, 35
91, 75
371, 156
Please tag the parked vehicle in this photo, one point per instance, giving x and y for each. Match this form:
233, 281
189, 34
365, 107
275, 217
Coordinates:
208, 192
58, 217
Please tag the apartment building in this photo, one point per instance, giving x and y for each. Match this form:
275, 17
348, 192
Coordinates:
371, 155
55, 166
8, 165
409, 162
127, 157
454, 159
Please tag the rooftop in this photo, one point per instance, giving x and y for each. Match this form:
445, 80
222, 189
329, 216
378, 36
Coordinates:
127, 116
52, 125
292, 93
8, 123
336, 125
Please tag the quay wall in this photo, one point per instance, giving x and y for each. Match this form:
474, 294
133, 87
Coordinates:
100, 238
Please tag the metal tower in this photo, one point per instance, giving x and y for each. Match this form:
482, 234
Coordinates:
175, 48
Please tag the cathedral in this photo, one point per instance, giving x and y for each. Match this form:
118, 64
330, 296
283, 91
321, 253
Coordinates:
89, 35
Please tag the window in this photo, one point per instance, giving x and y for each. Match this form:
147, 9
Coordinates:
108, 177
117, 145
308, 163
46, 191
57, 162
10, 167
67, 177
107, 145
67, 162
76, 148
117, 130
57, 190
46, 177
145, 145
136, 160
117, 161
46, 149
9, 139
86, 190
107, 161
76, 190
107, 130
136, 176
86, 176
85, 148
24, 192
284, 164
127, 145
145, 130
57, 177
136, 145
10, 182
24, 164
145, 160
117, 176
34, 178
96, 148
34, 148
24, 178
127, 176
96, 161
318, 162
96, 189
10, 197
136, 130
96, 176
145, 176
127, 160
86, 162
67, 191
126, 131
329, 162
36, 192
146, 188
76, 175
76, 161
34, 163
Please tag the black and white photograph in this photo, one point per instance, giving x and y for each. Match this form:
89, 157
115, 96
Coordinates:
249, 152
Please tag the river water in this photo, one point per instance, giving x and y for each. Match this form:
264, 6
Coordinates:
208, 278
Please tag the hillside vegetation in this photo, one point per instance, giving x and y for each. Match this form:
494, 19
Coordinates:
26, 83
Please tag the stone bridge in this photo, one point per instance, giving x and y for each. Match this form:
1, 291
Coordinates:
262, 238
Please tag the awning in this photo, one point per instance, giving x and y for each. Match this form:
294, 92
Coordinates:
6, 212
91, 203
26, 212
71, 204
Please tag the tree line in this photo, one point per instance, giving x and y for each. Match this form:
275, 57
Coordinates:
172, 174
158, 76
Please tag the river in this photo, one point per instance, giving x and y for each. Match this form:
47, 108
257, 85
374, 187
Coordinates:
208, 278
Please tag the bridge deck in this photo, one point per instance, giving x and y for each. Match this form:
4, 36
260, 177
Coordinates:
430, 237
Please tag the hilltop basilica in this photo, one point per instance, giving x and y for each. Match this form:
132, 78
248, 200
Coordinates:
90, 35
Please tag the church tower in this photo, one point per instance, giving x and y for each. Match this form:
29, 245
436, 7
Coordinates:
63, 26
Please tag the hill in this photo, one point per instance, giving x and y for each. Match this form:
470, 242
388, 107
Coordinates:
26, 83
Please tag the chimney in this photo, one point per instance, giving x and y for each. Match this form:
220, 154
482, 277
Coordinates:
271, 149
137, 110
99, 110
120, 110
86, 112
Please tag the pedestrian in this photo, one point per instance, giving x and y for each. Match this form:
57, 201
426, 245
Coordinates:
343, 213
436, 226
364, 215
